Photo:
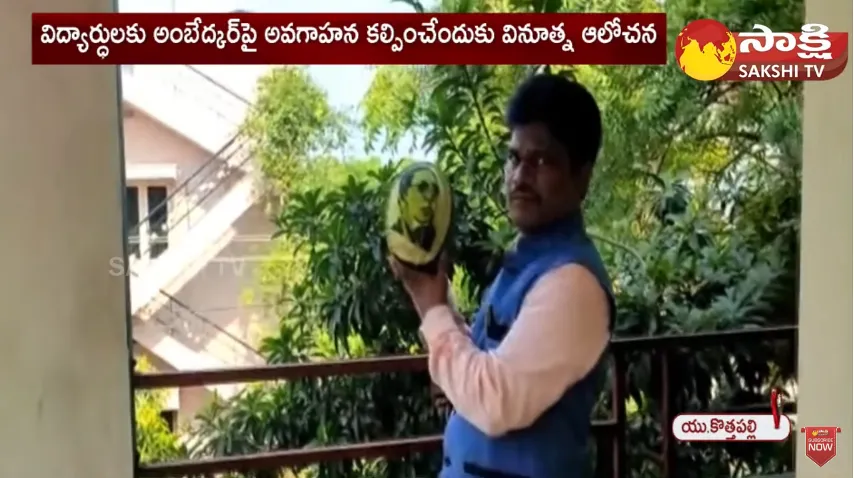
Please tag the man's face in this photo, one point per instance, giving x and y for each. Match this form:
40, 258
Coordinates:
420, 199
539, 183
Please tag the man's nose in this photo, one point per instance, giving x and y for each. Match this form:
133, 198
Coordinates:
523, 172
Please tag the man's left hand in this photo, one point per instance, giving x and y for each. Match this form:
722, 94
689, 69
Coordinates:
425, 290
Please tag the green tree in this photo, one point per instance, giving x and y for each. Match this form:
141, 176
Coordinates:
290, 125
293, 130
709, 173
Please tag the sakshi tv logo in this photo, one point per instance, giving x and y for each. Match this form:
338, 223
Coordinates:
706, 50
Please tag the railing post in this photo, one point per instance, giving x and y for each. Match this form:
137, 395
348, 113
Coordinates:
604, 453
133, 372
144, 231
668, 443
136, 463
618, 409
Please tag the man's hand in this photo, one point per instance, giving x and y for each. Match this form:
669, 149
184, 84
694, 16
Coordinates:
425, 290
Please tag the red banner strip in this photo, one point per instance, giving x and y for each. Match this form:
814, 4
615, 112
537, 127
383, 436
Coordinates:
349, 39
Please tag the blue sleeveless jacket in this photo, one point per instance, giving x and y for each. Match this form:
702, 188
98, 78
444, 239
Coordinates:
556, 445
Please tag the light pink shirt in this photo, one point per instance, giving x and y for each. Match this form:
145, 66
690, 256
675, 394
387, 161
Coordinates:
558, 337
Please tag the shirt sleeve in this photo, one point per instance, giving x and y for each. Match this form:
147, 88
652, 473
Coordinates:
558, 337
452, 309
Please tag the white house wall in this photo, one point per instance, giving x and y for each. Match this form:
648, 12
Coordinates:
218, 290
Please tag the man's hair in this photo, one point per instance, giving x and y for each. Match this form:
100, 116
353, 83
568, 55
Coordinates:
406, 182
566, 108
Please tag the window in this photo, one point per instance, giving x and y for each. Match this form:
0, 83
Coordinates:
158, 219
148, 206
171, 419
132, 220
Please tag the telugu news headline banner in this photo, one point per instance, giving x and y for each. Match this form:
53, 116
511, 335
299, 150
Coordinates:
349, 39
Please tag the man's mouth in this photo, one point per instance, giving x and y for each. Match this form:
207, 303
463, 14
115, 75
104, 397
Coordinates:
524, 197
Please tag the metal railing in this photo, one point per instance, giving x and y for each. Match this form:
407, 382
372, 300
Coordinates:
224, 89
190, 327
191, 83
183, 321
190, 197
609, 435
215, 174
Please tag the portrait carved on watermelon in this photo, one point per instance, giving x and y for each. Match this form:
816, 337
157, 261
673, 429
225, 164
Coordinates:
418, 215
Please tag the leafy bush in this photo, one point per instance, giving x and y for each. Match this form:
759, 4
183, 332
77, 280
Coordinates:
155, 442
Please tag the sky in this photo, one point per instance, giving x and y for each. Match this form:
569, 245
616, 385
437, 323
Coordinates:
344, 84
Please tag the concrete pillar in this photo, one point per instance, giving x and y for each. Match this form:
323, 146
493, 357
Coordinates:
825, 338
64, 373
65, 402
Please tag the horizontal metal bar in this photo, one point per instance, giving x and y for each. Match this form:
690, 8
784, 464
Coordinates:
292, 458
418, 363
215, 159
704, 339
291, 371
222, 87
307, 456
789, 408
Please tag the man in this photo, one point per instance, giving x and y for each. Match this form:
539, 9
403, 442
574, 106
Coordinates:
524, 380
417, 195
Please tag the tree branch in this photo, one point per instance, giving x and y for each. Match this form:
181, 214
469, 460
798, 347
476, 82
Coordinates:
480, 116
711, 97
618, 245
728, 135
